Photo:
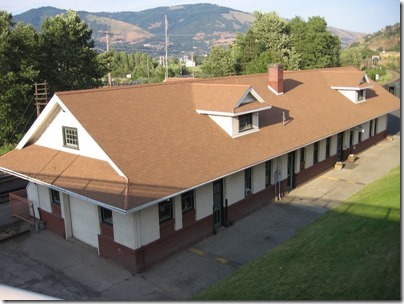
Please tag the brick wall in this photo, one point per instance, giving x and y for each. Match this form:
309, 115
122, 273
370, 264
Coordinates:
54, 222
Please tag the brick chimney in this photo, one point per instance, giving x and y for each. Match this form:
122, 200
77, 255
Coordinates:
275, 78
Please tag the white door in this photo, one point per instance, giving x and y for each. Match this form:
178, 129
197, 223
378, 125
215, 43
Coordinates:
85, 221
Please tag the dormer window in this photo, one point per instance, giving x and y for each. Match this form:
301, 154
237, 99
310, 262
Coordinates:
70, 137
245, 122
361, 95
235, 108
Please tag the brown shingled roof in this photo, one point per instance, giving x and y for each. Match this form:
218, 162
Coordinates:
344, 78
163, 146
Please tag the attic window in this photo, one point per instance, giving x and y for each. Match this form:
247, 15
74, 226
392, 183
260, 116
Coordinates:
70, 138
245, 122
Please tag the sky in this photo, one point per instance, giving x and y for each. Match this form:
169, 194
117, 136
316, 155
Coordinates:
364, 16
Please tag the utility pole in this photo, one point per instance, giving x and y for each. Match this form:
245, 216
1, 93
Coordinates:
109, 73
166, 61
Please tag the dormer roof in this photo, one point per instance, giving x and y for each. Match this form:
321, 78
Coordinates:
353, 80
227, 99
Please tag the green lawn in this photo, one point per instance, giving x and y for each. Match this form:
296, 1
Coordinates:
350, 253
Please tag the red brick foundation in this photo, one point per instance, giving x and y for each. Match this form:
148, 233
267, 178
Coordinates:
54, 222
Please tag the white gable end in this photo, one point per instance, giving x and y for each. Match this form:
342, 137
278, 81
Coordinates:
52, 137
47, 131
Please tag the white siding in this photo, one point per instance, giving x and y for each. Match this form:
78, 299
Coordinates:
366, 127
177, 209
32, 195
309, 156
333, 145
225, 122
351, 95
124, 229
66, 214
234, 187
321, 150
85, 221
258, 178
52, 137
381, 124
204, 201
149, 225
44, 198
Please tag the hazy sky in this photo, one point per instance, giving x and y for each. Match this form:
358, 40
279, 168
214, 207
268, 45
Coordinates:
365, 16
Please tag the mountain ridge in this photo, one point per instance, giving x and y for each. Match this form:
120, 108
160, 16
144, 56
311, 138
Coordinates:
143, 31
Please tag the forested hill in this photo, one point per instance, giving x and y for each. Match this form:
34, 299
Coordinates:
191, 27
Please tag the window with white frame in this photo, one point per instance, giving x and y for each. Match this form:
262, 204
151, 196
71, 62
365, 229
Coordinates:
70, 137
245, 122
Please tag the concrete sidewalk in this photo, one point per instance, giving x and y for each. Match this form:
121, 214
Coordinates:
67, 269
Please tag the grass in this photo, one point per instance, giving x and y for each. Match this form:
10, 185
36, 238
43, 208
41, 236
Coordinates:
350, 253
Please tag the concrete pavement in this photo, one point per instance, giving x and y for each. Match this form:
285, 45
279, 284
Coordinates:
70, 270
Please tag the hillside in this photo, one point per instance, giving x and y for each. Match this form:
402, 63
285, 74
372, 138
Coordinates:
192, 27
387, 39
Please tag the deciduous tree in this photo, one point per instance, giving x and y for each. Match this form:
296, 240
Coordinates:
19, 71
69, 61
318, 47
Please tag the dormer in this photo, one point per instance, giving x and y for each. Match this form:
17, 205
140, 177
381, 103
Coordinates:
351, 84
235, 108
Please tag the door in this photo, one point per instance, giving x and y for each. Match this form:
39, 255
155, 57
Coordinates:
217, 203
291, 170
85, 222
340, 146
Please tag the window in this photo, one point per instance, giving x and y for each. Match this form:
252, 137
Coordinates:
106, 216
361, 95
268, 170
315, 153
247, 181
302, 154
187, 201
371, 128
165, 210
245, 122
351, 138
327, 147
376, 123
55, 196
70, 138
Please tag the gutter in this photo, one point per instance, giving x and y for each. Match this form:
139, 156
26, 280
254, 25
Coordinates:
68, 192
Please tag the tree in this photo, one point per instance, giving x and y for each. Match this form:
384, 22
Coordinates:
318, 47
68, 59
218, 63
19, 68
267, 39
351, 57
